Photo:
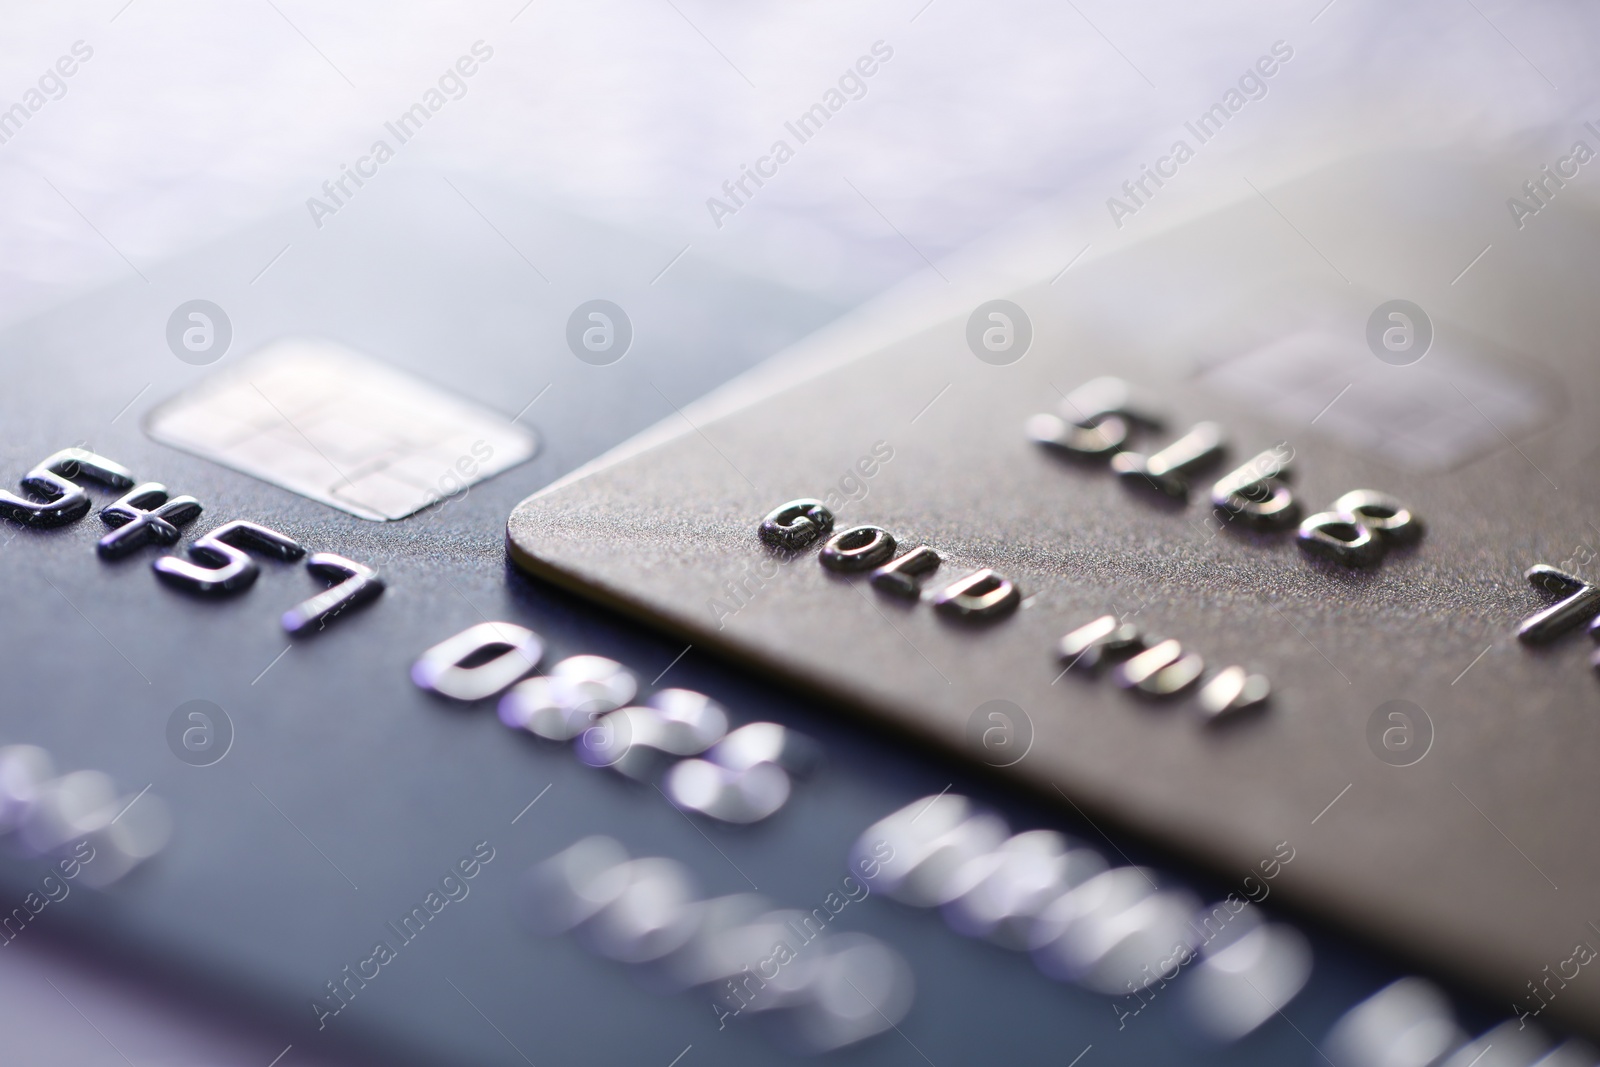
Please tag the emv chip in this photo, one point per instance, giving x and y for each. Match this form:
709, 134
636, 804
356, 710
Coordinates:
316, 418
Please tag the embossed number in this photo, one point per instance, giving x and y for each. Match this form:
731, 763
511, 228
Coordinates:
1359, 529
1256, 493
357, 584
1580, 602
146, 514
457, 668
64, 499
222, 564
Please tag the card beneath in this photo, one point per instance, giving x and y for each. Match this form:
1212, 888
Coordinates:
914, 534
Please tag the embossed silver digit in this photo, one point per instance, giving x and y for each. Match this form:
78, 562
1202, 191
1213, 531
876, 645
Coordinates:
356, 584
1580, 602
1095, 419
146, 515
859, 548
1381, 513
1339, 538
796, 524
440, 669
1167, 472
1359, 529
221, 564
64, 499
1256, 494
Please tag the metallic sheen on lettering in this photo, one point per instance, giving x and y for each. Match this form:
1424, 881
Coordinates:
1167, 471
64, 499
223, 565
859, 548
982, 594
903, 576
1256, 493
1380, 513
796, 524
1233, 690
439, 669
145, 515
356, 585
1096, 643
1340, 538
1581, 601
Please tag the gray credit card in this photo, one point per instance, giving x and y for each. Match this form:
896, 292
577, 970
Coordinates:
1224, 537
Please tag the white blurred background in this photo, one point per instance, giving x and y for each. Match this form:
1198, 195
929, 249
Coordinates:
192, 119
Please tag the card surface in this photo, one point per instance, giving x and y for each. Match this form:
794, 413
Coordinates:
1433, 771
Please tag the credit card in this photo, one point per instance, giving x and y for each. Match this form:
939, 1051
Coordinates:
1259, 530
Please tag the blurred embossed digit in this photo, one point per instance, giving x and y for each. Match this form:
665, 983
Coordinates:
64, 499
479, 662
1095, 419
221, 563
796, 524
1167, 471
1256, 493
983, 594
